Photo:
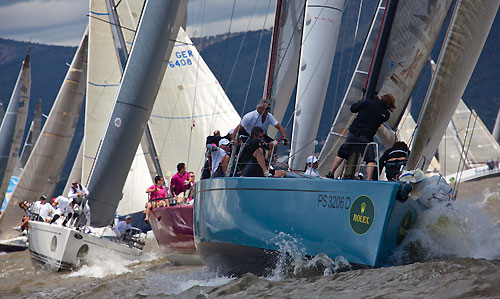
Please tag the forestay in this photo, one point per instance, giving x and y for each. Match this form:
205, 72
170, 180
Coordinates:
45, 163
464, 42
12, 129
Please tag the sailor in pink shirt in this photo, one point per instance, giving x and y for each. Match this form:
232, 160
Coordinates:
157, 192
178, 183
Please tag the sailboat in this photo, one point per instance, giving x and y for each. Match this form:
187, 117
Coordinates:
133, 105
11, 135
363, 221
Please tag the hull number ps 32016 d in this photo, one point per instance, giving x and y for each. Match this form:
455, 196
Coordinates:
334, 201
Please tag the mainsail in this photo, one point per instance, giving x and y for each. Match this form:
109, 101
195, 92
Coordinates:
12, 129
284, 56
322, 19
45, 163
141, 81
470, 25
190, 105
413, 33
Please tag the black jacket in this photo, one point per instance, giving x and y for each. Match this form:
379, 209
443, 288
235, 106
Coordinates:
371, 114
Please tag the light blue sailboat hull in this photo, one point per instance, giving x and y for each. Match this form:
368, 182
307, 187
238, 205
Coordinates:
237, 221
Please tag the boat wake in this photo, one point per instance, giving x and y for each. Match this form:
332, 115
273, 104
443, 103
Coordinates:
291, 262
445, 231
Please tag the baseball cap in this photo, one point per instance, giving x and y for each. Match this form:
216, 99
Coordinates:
128, 217
43, 197
223, 141
311, 160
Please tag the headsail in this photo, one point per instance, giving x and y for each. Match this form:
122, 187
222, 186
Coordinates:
284, 56
190, 105
322, 19
33, 133
470, 25
12, 129
45, 163
141, 81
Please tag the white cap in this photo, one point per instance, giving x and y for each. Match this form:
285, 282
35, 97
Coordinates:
311, 160
128, 217
223, 141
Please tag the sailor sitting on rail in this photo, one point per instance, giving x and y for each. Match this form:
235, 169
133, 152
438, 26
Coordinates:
426, 189
311, 167
220, 159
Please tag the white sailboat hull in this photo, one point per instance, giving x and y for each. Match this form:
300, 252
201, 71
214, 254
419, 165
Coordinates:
60, 248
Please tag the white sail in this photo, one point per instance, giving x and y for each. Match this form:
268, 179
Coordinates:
284, 57
322, 19
496, 127
12, 129
140, 84
104, 74
190, 105
470, 25
338, 131
45, 163
76, 170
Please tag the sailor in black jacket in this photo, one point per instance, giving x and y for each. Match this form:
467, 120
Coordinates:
371, 114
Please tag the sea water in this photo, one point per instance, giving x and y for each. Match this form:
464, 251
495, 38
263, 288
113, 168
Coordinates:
453, 251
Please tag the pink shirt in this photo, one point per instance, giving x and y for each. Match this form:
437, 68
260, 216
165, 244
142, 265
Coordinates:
160, 193
177, 183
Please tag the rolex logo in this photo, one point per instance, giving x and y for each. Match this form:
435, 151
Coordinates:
363, 207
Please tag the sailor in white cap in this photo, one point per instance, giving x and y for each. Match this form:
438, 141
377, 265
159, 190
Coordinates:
220, 159
427, 189
311, 167
123, 226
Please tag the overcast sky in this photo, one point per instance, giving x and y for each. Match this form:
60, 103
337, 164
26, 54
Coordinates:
63, 22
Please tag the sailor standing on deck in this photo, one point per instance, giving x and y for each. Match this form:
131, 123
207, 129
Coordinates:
64, 207
77, 193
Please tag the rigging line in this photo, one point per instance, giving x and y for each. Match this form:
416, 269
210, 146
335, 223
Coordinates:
466, 154
195, 87
227, 41
241, 47
353, 45
459, 166
255, 59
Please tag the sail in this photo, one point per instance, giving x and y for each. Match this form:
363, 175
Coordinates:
496, 127
12, 129
104, 74
322, 19
338, 131
284, 57
470, 25
33, 133
466, 140
141, 81
2, 112
76, 170
191, 104
45, 163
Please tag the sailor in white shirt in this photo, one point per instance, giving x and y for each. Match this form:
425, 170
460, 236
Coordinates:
260, 117
77, 193
64, 207
35, 207
123, 226
46, 210
311, 167
220, 158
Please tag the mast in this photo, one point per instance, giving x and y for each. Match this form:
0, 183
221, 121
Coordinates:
271, 65
12, 128
321, 27
140, 84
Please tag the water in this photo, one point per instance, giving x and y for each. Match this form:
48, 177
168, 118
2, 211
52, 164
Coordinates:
452, 252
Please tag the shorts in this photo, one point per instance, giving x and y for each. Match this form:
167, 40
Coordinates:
355, 143
243, 134
156, 203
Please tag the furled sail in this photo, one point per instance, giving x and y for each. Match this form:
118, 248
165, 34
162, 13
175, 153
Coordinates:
284, 57
322, 19
141, 81
470, 25
45, 163
190, 105
12, 129
33, 133
338, 131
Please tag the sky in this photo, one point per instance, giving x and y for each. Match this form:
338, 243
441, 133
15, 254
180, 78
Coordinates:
62, 22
